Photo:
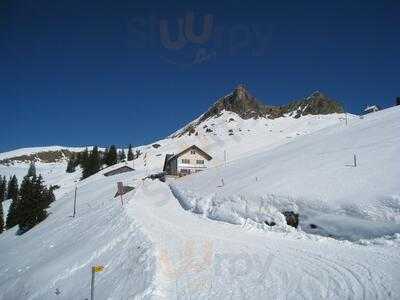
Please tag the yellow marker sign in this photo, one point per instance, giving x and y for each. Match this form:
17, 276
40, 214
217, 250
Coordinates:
98, 268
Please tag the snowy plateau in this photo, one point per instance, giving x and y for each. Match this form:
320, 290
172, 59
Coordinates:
204, 236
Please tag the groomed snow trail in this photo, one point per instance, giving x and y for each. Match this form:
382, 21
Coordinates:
198, 258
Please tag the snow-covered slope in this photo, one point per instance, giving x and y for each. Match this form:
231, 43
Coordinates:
53, 260
315, 175
204, 237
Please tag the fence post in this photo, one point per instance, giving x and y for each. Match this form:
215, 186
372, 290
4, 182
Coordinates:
92, 284
355, 160
76, 188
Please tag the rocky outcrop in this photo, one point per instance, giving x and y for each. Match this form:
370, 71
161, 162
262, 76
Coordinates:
44, 156
292, 219
240, 102
316, 104
243, 103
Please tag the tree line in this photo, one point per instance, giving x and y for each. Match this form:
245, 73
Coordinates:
28, 201
93, 161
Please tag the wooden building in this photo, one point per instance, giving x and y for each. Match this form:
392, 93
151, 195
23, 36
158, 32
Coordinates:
191, 160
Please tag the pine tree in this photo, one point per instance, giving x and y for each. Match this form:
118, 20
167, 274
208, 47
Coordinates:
32, 169
12, 188
130, 153
95, 160
121, 155
71, 165
3, 188
3, 183
1, 217
12, 193
112, 157
84, 162
398, 101
92, 164
34, 200
105, 157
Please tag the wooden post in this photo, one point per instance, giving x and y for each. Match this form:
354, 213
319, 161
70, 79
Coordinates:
76, 188
355, 160
92, 283
120, 186
95, 269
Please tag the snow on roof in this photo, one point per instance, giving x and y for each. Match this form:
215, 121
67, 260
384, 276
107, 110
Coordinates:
371, 107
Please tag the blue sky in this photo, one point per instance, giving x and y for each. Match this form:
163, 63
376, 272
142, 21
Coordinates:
103, 72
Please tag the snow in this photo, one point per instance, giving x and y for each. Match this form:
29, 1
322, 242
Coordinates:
57, 254
199, 237
205, 259
33, 150
314, 175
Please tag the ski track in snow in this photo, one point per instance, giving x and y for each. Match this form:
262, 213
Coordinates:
295, 268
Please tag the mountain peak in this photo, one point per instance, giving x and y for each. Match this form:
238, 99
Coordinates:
239, 101
241, 91
244, 104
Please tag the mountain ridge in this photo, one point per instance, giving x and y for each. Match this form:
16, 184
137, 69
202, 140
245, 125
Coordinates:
243, 103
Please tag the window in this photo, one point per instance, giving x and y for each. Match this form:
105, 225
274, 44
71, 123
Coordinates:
185, 161
185, 171
200, 162
192, 152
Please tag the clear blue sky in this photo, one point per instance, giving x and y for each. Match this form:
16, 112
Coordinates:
103, 72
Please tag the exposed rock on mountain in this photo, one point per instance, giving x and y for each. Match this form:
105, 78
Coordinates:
44, 156
240, 102
316, 104
243, 103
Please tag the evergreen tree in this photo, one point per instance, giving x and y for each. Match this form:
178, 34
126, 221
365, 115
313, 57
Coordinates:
12, 193
105, 157
12, 216
95, 160
121, 155
3, 184
32, 169
84, 162
112, 157
3, 188
12, 188
92, 164
130, 153
34, 200
1, 217
398, 101
71, 165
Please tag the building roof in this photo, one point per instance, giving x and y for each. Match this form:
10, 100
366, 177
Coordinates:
119, 170
167, 158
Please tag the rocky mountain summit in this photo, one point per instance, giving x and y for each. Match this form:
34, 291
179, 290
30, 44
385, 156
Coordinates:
243, 103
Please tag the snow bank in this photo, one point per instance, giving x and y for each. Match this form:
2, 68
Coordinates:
350, 222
